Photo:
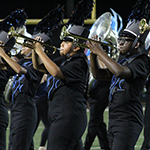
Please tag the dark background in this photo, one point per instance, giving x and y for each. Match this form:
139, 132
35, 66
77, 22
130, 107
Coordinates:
37, 9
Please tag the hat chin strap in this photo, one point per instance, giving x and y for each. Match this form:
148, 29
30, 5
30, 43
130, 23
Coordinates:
135, 41
71, 50
134, 44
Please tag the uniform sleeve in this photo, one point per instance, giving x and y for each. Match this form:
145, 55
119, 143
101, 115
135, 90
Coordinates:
74, 70
10, 70
139, 67
33, 74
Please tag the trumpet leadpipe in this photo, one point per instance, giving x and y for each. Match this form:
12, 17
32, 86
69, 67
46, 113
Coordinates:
12, 33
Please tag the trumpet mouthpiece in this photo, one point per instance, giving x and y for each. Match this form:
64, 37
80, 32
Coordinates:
59, 49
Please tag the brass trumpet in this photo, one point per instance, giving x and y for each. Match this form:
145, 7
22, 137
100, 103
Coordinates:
65, 33
143, 26
13, 33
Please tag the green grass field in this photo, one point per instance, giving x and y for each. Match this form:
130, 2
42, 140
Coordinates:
95, 145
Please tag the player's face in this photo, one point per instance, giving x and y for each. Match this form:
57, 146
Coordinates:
66, 48
125, 44
26, 50
149, 52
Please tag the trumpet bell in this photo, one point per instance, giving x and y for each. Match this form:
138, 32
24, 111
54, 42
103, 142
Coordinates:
143, 26
63, 33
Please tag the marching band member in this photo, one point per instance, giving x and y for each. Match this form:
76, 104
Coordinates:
146, 133
129, 77
16, 21
67, 86
23, 109
67, 82
104, 26
4, 77
42, 101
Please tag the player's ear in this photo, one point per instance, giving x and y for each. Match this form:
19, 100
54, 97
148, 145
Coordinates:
137, 45
76, 49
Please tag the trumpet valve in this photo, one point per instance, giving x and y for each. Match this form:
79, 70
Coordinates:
11, 32
143, 26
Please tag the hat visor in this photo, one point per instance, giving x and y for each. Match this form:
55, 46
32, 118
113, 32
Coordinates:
68, 38
127, 34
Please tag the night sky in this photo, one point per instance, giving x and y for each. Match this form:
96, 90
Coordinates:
37, 9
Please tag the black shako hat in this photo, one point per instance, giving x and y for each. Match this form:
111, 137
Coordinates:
8, 42
77, 31
16, 19
48, 23
76, 21
140, 10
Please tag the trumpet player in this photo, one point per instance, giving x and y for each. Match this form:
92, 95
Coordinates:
26, 81
128, 79
4, 77
23, 110
67, 85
